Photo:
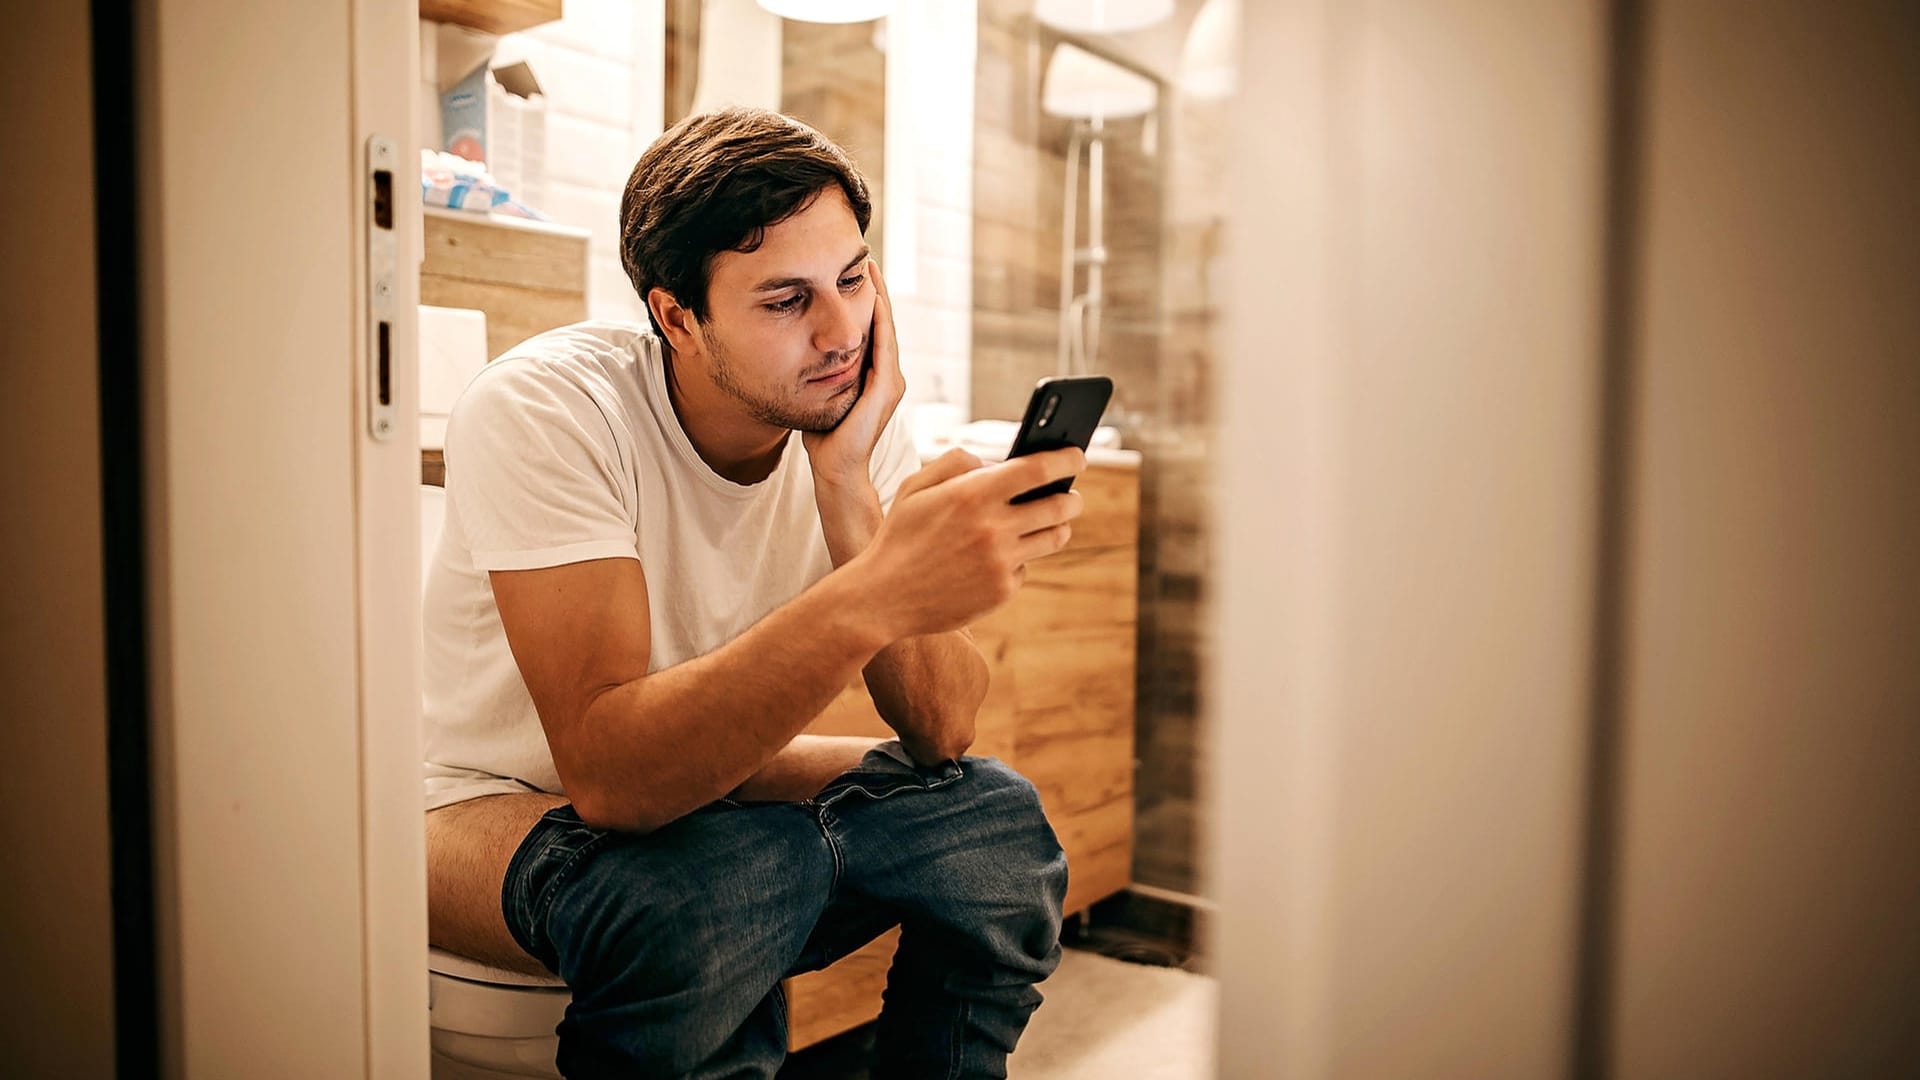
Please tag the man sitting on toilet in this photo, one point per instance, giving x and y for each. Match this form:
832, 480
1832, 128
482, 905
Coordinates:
666, 549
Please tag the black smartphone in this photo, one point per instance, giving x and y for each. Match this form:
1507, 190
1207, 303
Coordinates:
1061, 413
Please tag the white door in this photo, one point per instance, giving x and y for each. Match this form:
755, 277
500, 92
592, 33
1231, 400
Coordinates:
283, 566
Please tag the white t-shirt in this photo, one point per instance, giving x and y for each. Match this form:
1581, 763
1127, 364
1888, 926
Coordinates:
567, 449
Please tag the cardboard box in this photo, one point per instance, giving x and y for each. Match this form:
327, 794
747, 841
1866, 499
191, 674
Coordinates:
496, 116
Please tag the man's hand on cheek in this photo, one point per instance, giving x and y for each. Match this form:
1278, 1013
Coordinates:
839, 458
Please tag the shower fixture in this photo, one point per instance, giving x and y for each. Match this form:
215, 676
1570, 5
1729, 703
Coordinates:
1089, 91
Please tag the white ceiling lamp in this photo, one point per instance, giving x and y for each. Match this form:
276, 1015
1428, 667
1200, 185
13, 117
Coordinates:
1080, 85
828, 11
1209, 66
1101, 16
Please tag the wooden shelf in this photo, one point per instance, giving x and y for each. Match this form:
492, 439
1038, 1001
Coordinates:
527, 276
492, 16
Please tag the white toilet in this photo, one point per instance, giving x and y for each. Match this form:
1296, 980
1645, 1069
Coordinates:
488, 1023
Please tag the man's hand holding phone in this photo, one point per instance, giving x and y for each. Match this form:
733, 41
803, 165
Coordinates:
957, 542
956, 545
1062, 412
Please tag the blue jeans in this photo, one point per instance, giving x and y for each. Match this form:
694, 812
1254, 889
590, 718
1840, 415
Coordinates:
674, 943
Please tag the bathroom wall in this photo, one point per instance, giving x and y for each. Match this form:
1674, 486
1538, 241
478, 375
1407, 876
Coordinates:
599, 68
930, 152
1161, 232
898, 96
1182, 495
834, 77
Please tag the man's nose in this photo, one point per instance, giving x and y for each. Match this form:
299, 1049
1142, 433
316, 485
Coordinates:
839, 324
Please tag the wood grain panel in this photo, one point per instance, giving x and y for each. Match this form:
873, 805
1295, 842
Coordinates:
514, 313
1059, 709
822, 1004
1099, 846
1071, 718
474, 247
997, 728
1078, 774
525, 279
1110, 512
1080, 589
492, 16
1092, 662
852, 713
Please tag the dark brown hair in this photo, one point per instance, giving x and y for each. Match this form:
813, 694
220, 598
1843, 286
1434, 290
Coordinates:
715, 182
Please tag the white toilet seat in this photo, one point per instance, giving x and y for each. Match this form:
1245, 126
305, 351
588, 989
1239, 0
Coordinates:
489, 1021
461, 967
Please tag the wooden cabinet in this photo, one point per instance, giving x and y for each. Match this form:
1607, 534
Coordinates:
1060, 711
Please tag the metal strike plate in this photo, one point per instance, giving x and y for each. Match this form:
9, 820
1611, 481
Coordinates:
383, 160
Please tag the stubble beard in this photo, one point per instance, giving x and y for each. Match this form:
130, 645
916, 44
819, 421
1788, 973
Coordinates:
817, 420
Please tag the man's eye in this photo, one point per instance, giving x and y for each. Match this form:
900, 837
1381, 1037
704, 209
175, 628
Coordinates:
852, 283
781, 307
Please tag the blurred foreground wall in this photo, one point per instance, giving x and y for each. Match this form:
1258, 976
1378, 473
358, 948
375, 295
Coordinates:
1768, 919
1568, 685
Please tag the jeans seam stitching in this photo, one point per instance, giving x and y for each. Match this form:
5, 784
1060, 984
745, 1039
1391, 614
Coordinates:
780, 1012
821, 820
520, 869
956, 1055
876, 796
543, 903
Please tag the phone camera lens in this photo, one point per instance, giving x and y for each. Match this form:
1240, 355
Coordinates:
1047, 410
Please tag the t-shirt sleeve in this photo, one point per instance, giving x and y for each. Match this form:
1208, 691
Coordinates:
894, 458
535, 473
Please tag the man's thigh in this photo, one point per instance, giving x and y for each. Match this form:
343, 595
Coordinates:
469, 845
728, 892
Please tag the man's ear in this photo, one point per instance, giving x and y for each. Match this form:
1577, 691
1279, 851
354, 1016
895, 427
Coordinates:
676, 321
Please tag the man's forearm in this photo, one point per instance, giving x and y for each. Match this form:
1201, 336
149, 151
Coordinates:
927, 688
710, 723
